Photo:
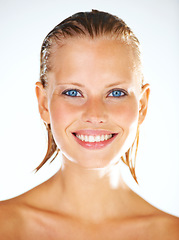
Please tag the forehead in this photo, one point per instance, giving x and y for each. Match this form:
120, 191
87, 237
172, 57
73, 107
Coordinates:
94, 59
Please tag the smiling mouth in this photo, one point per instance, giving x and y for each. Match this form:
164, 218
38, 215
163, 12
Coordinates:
94, 138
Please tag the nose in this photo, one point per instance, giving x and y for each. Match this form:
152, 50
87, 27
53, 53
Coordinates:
94, 112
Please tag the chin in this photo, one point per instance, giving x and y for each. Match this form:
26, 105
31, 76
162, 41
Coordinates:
92, 161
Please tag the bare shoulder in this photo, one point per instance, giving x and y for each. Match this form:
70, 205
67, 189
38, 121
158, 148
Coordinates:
17, 219
168, 226
20, 215
10, 219
159, 224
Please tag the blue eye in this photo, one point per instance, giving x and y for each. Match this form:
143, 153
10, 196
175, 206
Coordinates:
116, 93
72, 93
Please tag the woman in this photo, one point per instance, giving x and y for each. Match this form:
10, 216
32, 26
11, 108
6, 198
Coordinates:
92, 100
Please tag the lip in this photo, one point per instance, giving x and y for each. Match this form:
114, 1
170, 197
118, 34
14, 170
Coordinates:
94, 145
92, 132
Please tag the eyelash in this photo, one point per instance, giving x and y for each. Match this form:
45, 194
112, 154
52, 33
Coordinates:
71, 90
122, 93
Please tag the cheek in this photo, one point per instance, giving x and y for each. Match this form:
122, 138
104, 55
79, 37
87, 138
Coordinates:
61, 113
126, 117
126, 113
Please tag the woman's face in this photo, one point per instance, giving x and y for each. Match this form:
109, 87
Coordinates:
94, 101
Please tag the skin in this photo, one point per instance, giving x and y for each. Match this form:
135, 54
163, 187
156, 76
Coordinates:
87, 198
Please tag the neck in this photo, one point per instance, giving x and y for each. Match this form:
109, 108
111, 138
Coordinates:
94, 194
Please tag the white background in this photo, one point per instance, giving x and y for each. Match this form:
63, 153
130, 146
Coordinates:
23, 26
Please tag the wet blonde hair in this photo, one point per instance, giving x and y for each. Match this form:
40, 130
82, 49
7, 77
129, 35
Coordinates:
94, 24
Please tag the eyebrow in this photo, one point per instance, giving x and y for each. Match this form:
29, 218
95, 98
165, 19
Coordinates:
115, 84
81, 85
72, 83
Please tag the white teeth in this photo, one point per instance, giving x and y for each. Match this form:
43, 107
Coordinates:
91, 138
97, 138
102, 138
106, 137
82, 137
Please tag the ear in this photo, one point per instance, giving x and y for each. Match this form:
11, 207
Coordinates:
42, 102
144, 97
